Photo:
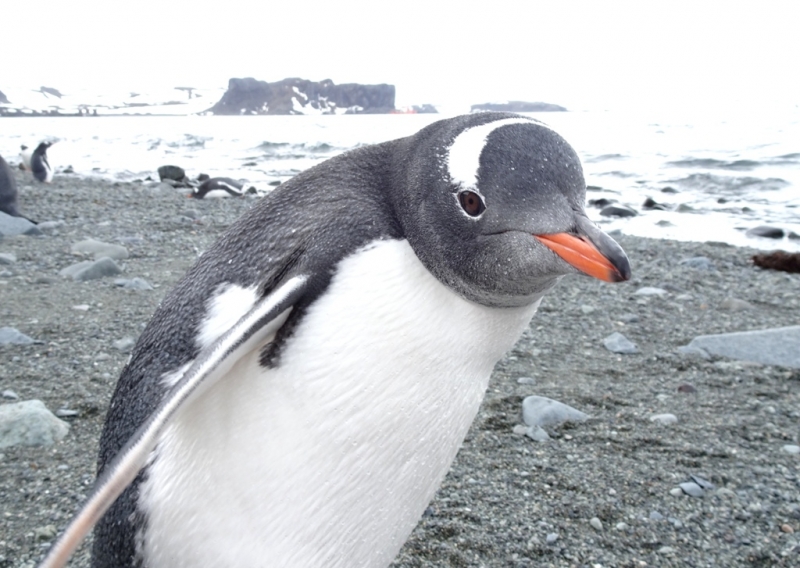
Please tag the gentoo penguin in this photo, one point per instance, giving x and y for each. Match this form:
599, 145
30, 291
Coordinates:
300, 394
228, 185
39, 165
25, 154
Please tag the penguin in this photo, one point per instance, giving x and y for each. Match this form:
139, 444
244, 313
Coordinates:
25, 154
8, 191
39, 165
228, 185
300, 394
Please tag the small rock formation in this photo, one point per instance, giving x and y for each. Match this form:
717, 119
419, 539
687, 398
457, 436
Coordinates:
517, 106
4, 99
301, 96
50, 91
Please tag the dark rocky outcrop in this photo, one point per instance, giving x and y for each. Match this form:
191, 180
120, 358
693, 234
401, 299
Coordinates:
301, 96
517, 106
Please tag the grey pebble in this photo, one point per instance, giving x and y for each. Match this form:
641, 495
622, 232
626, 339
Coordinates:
693, 352
664, 418
551, 538
596, 523
7, 258
125, 344
66, 413
650, 291
766, 231
617, 210
621, 526
29, 423
666, 550
48, 226
11, 336
692, 489
526, 381
91, 270
12, 226
698, 263
537, 434
618, 343
628, 318
10, 395
99, 249
735, 305
791, 449
133, 284
656, 516
776, 346
542, 411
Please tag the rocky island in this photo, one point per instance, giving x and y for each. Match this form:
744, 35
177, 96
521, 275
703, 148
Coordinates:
517, 106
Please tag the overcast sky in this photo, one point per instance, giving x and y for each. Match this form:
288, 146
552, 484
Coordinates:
583, 54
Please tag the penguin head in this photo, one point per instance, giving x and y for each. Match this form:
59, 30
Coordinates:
42, 147
493, 206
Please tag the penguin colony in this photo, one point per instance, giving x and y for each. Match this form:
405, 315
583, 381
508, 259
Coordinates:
300, 394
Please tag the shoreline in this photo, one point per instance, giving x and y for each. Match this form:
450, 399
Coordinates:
506, 494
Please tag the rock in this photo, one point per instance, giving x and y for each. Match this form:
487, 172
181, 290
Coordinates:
537, 434
99, 249
596, 523
787, 528
698, 263
693, 352
133, 284
651, 204
766, 231
676, 492
175, 173
45, 533
9, 395
517, 106
791, 449
703, 482
656, 516
734, 305
29, 423
684, 208
650, 291
10, 336
618, 343
618, 211
628, 318
12, 226
7, 258
50, 226
601, 202
664, 418
542, 411
691, 489
125, 344
776, 346
66, 413
551, 538
301, 96
526, 381
687, 388
91, 270
792, 235
668, 189
778, 260
621, 526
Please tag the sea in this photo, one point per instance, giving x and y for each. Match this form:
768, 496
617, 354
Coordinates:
716, 175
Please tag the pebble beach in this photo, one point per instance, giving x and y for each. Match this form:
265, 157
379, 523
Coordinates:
684, 458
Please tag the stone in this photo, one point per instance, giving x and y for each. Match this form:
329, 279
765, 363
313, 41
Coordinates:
133, 284
651, 204
621, 526
776, 346
175, 173
551, 538
698, 263
7, 258
29, 423
66, 413
693, 352
596, 523
91, 269
526, 381
618, 343
668, 189
702, 482
99, 249
11, 336
541, 411
687, 388
766, 231
628, 318
684, 208
11, 226
618, 211
792, 449
691, 489
735, 305
8, 394
125, 344
656, 516
650, 291
664, 418
50, 226
537, 434
45, 533
601, 202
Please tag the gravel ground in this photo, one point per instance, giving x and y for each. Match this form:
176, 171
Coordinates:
598, 493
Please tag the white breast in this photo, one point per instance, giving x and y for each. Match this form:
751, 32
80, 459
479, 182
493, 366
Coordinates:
331, 458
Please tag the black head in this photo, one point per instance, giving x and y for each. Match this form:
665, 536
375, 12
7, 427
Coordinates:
479, 197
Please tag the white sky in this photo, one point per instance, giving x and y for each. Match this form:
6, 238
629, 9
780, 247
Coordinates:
582, 54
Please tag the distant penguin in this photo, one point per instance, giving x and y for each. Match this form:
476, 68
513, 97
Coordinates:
39, 165
231, 186
300, 394
25, 154
8, 191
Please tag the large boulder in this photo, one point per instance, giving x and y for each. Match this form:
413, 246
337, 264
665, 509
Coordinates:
301, 96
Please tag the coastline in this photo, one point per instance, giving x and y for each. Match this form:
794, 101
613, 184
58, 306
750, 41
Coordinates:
505, 494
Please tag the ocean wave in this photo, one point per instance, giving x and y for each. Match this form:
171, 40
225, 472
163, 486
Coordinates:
271, 145
740, 165
190, 141
713, 184
604, 157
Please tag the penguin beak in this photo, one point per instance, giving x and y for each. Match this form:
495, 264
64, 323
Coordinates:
592, 252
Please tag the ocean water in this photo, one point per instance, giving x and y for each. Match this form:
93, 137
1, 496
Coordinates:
723, 174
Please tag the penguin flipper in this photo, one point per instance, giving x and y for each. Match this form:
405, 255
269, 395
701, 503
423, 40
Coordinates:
255, 327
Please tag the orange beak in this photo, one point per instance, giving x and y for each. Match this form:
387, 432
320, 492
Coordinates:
584, 256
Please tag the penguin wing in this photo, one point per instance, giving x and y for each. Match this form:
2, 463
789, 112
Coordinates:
255, 327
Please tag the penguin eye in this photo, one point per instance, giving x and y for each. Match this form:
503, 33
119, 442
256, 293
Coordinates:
471, 203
